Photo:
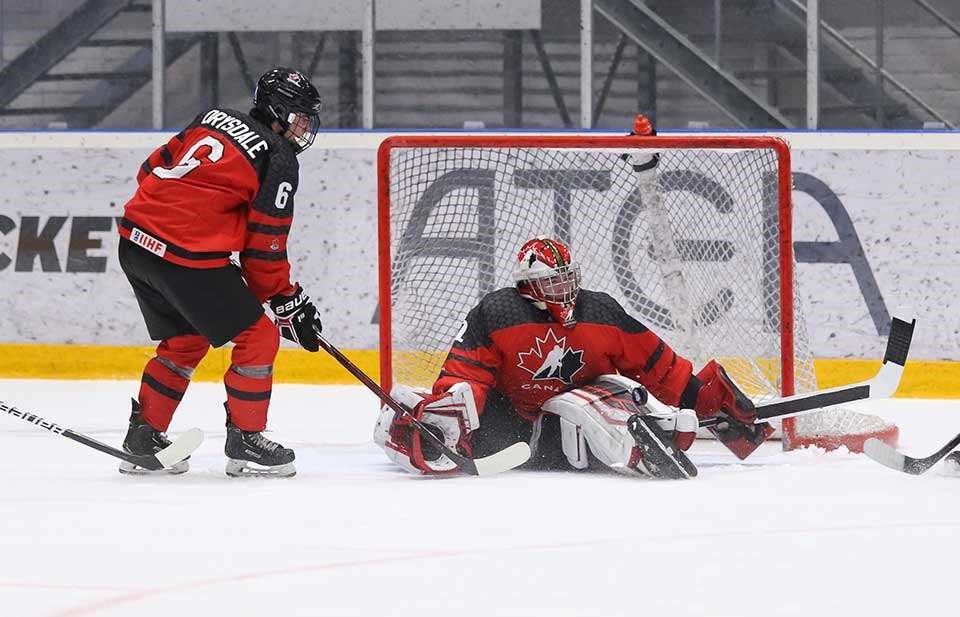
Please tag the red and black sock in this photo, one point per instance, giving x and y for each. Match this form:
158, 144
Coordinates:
166, 377
248, 398
249, 380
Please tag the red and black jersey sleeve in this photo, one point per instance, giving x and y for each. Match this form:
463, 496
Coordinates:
645, 357
264, 257
472, 359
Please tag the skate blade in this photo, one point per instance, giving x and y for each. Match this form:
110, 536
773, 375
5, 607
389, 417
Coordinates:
247, 469
135, 470
660, 458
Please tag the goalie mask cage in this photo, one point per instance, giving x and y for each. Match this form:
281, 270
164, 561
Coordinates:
698, 247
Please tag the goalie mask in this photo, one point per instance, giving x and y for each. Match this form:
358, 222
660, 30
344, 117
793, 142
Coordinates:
547, 276
287, 97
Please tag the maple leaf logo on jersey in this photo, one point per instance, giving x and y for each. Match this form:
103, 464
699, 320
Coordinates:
559, 361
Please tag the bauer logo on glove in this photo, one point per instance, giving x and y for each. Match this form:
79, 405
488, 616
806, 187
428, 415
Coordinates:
297, 318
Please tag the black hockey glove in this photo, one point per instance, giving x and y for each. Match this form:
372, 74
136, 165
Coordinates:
297, 318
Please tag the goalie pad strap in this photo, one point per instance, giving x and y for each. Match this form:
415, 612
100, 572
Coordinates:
574, 443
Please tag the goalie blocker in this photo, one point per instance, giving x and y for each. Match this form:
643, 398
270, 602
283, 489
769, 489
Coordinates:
611, 422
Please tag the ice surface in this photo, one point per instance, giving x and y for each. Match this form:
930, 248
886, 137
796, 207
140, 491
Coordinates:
799, 533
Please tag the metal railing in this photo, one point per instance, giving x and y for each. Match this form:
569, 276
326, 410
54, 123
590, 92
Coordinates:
837, 37
936, 14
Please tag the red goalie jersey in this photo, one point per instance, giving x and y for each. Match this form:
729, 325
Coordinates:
510, 345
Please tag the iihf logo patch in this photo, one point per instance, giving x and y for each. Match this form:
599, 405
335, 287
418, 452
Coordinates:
294, 78
559, 362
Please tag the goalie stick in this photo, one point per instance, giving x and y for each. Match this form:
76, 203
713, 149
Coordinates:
889, 457
882, 385
508, 458
182, 447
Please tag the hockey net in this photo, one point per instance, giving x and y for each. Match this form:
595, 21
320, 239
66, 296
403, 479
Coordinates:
698, 248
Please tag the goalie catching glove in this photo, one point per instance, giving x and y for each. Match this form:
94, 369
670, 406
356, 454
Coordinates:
450, 416
297, 318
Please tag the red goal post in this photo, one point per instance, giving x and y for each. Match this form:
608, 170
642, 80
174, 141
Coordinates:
471, 199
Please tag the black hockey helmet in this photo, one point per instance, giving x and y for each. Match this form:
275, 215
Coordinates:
287, 97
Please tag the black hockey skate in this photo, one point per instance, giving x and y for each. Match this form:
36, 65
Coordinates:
659, 457
143, 439
249, 453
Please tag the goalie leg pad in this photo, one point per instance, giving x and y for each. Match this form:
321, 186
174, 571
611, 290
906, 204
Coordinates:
596, 416
450, 416
582, 424
393, 437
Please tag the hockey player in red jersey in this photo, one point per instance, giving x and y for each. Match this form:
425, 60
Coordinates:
555, 365
225, 183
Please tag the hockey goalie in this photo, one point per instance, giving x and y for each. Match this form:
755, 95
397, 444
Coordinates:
568, 371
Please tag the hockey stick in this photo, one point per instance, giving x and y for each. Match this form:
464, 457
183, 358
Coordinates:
181, 448
508, 458
882, 385
889, 457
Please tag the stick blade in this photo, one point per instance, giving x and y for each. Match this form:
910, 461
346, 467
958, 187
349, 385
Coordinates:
887, 380
182, 447
506, 459
884, 454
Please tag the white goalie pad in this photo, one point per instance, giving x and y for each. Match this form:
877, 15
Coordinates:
595, 416
396, 452
453, 414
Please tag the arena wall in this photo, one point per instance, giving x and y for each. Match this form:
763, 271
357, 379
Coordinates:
877, 233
